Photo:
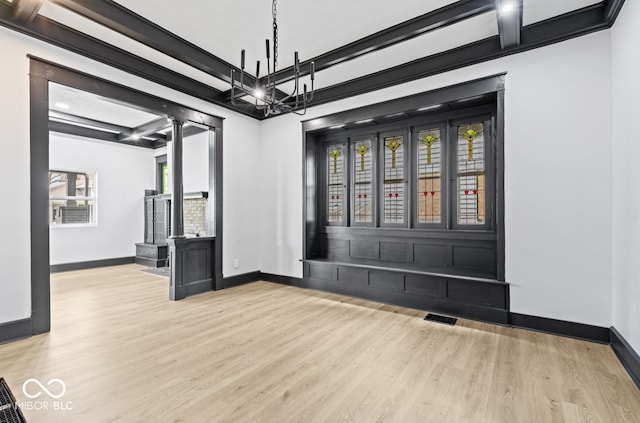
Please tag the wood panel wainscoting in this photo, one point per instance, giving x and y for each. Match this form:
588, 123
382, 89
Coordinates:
268, 352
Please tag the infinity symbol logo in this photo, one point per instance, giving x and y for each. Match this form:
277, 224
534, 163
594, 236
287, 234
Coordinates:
44, 388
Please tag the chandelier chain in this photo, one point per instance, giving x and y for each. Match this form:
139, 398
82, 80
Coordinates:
267, 97
274, 11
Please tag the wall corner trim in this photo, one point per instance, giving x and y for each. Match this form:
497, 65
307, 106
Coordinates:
626, 354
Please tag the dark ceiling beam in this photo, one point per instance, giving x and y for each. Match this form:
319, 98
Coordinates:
98, 124
570, 25
124, 21
509, 22
120, 19
146, 129
26, 10
436, 19
80, 120
81, 131
187, 132
59, 35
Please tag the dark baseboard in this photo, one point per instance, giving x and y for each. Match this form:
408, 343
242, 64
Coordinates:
285, 280
626, 354
242, 279
198, 287
65, 267
416, 301
149, 262
12, 331
580, 331
560, 327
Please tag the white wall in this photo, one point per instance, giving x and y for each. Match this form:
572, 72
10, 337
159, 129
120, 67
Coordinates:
195, 163
558, 237
123, 173
241, 140
15, 300
557, 177
625, 39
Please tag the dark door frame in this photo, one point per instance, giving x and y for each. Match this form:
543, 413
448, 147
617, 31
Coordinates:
41, 72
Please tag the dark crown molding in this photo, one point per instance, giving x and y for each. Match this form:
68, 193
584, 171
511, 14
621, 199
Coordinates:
67, 38
612, 10
436, 19
574, 24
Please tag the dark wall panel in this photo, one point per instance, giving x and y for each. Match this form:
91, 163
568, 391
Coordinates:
364, 249
425, 285
475, 293
323, 272
432, 255
396, 251
338, 247
353, 276
481, 258
386, 280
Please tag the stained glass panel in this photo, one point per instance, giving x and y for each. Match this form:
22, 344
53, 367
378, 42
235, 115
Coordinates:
362, 181
335, 183
429, 176
394, 177
471, 174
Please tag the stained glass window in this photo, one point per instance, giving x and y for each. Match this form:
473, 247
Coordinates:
362, 181
394, 187
471, 174
429, 176
335, 183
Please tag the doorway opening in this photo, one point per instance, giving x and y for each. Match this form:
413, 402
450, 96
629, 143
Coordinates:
77, 189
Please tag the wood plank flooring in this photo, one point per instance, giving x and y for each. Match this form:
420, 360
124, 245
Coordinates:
264, 352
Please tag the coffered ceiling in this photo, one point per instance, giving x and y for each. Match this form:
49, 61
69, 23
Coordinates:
358, 45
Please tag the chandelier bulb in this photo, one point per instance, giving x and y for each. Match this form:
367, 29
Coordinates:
268, 97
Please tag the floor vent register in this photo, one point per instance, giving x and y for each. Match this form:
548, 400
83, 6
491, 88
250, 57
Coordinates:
9, 410
441, 319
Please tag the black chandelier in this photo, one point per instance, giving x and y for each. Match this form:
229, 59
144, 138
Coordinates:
266, 96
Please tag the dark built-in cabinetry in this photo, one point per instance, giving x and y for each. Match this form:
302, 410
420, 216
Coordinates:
157, 228
408, 208
153, 252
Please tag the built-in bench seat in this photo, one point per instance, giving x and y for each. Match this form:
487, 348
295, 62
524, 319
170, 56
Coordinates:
453, 292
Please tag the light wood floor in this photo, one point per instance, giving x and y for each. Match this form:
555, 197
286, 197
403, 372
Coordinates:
269, 353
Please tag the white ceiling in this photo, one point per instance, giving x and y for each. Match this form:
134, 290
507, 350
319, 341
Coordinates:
538, 10
313, 27
81, 103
